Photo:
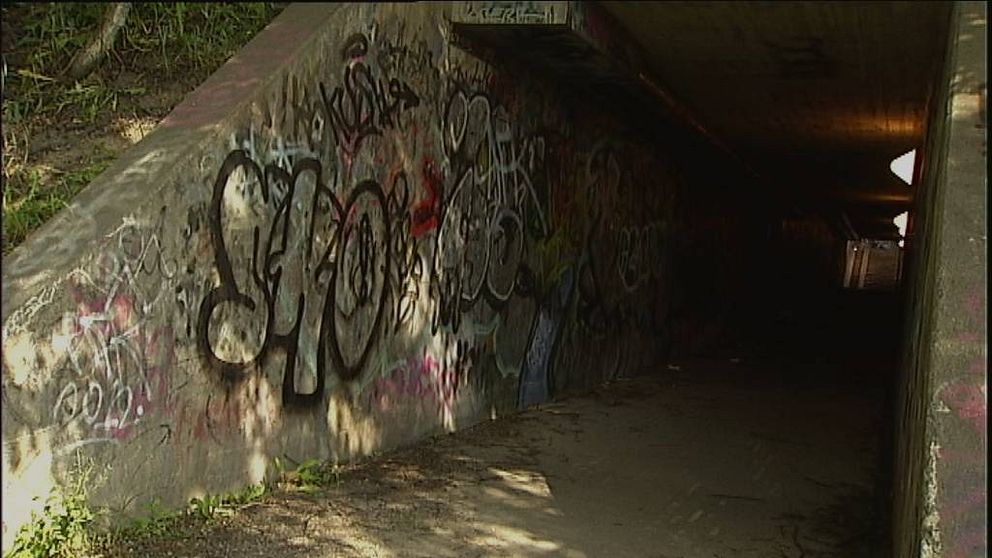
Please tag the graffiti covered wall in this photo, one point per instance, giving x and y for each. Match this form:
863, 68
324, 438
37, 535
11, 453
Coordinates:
390, 238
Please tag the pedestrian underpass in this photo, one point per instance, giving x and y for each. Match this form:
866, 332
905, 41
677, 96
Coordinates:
380, 223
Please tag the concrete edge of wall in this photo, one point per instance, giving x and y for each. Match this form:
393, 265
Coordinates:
133, 180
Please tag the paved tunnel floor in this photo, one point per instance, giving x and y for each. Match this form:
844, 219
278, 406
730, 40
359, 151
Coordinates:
713, 460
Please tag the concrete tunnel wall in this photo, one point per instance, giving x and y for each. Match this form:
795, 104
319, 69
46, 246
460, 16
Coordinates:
352, 236
941, 470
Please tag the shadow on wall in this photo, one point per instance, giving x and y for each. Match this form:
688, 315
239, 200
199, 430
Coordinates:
378, 253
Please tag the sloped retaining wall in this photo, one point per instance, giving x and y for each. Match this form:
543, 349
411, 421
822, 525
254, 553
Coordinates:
353, 235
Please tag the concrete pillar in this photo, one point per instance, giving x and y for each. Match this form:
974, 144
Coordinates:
941, 441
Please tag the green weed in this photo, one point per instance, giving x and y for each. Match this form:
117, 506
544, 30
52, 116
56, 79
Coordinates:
313, 475
66, 526
192, 34
157, 522
212, 505
208, 506
61, 530
249, 494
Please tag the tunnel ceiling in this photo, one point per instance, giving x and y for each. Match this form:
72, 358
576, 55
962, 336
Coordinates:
818, 97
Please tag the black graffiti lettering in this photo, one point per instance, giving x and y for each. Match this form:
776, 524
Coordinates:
322, 262
228, 291
364, 105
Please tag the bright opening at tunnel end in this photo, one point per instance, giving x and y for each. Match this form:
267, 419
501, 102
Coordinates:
902, 166
900, 222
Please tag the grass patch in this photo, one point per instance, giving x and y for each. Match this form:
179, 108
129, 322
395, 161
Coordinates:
161, 44
31, 196
164, 38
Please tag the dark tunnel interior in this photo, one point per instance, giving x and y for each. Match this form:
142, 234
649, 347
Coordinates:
764, 265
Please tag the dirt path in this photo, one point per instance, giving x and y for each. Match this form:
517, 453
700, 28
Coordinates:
712, 460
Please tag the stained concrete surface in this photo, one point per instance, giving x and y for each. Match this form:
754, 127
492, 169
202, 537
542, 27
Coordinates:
751, 459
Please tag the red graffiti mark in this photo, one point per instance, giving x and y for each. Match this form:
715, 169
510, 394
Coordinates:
208, 420
219, 416
200, 430
123, 311
426, 213
159, 359
597, 27
125, 366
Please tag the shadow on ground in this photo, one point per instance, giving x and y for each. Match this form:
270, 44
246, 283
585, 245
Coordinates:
713, 459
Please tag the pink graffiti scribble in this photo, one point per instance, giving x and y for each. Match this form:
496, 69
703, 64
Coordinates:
969, 337
153, 394
118, 317
970, 544
970, 403
974, 308
975, 302
963, 457
978, 367
967, 504
121, 368
423, 379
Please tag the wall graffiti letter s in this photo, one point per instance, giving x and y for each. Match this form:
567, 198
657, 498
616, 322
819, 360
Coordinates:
228, 291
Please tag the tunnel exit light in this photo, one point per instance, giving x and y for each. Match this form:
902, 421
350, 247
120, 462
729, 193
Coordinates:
902, 166
900, 223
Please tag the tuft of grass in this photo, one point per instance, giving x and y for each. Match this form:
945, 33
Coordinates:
250, 494
62, 529
157, 522
208, 506
160, 523
213, 505
312, 475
